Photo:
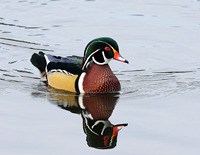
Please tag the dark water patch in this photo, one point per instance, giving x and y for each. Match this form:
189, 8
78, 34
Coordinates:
3, 70
8, 75
30, 77
56, 25
38, 94
46, 45
129, 71
126, 80
35, 35
78, 40
130, 92
2, 79
43, 3
6, 32
119, 74
21, 1
176, 26
45, 29
20, 26
57, 44
31, 48
12, 62
137, 15
147, 75
175, 72
20, 41
33, 2
12, 81
23, 71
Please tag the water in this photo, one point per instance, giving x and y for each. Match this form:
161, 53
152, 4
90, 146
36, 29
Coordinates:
160, 87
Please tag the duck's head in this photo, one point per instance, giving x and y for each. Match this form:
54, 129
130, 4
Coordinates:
100, 51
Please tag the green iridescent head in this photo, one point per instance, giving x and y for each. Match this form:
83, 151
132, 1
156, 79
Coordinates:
100, 51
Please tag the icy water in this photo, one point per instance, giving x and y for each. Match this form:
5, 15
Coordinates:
160, 87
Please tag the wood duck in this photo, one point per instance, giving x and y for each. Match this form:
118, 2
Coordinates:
101, 133
95, 110
88, 74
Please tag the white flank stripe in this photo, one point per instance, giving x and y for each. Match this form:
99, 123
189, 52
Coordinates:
47, 61
80, 83
80, 101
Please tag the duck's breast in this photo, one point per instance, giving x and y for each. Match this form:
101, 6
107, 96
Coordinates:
99, 79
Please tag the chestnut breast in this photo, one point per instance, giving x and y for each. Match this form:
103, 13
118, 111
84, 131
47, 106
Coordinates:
99, 79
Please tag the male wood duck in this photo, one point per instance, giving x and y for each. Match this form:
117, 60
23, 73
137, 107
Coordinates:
95, 110
88, 74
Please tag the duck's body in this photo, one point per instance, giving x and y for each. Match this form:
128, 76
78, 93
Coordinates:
88, 74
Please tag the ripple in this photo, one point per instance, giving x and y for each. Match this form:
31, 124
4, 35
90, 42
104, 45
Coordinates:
23, 44
9, 75
23, 71
137, 15
19, 26
130, 71
20, 41
10, 80
12, 62
6, 32
35, 35
174, 72
3, 70
56, 25
157, 83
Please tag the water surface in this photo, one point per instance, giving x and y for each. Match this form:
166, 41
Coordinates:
160, 87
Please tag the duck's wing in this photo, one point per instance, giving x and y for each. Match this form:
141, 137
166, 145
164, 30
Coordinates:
50, 63
70, 64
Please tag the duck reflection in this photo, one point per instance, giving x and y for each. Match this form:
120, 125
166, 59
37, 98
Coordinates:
95, 110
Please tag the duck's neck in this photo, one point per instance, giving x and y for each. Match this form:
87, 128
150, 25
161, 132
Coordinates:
100, 78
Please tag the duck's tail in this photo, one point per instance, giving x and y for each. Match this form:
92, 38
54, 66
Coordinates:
39, 61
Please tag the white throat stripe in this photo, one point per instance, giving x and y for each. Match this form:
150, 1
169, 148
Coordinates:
80, 83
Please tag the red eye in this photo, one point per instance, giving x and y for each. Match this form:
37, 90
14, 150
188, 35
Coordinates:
107, 49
